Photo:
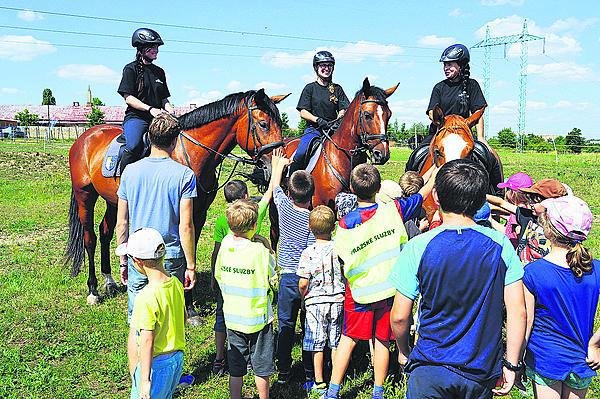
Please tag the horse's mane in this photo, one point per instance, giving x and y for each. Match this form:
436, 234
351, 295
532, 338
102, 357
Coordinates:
376, 92
223, 108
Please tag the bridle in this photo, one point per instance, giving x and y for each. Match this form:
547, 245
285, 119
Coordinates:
436, 151
258, 148
363, 146
364, 136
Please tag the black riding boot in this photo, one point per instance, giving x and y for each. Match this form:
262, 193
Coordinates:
294, 166
127, 157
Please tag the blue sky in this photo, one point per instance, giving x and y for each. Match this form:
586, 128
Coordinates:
219, 47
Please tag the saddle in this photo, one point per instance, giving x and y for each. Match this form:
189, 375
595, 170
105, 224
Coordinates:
112, 157
480, 154
313, 146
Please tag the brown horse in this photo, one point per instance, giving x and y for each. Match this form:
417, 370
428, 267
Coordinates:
453, 140
250, 120
362, 134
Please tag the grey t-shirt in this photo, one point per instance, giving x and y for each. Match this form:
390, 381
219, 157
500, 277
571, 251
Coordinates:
321, 266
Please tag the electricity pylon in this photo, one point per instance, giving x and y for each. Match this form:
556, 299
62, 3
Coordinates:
522, 39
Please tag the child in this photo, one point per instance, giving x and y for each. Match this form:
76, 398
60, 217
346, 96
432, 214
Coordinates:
512, 195
482, 216
156, 350
463, 273
295, 237
410, 183
532, 244
233, 190
368, 241
244, 270
561, 293
322, 287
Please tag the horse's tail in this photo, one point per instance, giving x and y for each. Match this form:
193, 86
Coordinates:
75, 251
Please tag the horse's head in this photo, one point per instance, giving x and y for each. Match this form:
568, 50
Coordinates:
373, 113
259, 131
453, 139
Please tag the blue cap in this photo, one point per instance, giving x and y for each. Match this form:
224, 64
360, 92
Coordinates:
483, 213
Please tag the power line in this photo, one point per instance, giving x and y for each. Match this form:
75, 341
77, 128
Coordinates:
274, 56
193, 41
231, 31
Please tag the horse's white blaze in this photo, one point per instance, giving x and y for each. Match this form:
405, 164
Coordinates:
453, 145
380, 115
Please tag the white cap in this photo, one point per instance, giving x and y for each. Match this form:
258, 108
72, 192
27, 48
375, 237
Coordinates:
145, 243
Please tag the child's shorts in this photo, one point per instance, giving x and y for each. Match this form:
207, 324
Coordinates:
364, 322
258, 348
572, 381
323, 326
164, 376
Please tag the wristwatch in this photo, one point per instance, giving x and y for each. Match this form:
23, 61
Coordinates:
520, 366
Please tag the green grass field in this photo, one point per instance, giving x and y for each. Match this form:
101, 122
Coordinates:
54, 345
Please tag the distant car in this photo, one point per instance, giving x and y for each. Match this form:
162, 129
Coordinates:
13, 132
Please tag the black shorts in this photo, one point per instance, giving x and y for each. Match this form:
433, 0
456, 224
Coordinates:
258, 348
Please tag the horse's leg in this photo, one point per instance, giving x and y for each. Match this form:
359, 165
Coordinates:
87, 201
106, 230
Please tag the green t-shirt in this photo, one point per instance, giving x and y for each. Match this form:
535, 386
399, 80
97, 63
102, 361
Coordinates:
159, 307
222, 228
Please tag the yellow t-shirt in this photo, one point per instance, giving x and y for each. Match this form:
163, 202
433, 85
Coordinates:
159, 307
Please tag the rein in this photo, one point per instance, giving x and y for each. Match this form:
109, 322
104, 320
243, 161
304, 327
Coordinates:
257, 152
362, 147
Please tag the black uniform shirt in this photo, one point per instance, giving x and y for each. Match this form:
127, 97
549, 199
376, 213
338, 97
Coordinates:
448, 96
316, 100
154, 92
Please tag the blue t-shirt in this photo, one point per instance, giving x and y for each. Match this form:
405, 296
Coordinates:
295, 236
153, 189
460, 273
564, 318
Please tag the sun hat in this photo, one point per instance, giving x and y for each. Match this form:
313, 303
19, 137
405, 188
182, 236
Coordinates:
344, 203
389, 191
570, 215
517, 181
145, 243
547, 188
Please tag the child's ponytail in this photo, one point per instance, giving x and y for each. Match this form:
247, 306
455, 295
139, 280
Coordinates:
579, 259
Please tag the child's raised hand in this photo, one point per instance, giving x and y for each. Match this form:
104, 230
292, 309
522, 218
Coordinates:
279, 160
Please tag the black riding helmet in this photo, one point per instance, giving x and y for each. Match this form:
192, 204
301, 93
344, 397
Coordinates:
457, 53
145, 37
321, 57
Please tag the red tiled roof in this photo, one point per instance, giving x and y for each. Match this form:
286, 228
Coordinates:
70, 113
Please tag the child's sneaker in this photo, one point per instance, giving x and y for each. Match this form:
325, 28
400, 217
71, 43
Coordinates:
308, 385
318, 389
283, 377
185, 381
218, 368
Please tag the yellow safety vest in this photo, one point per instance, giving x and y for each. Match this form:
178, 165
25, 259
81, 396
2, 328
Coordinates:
243, 276
369, 252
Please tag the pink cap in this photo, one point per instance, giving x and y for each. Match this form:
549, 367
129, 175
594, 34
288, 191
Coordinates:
517, 181
569, 215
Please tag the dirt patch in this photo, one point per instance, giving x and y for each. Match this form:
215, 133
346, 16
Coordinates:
19, 165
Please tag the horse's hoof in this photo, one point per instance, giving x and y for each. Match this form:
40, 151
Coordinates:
111, 289
93, 299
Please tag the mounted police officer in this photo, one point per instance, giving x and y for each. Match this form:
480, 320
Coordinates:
321, 102
144, 88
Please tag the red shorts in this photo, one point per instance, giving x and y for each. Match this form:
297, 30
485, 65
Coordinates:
364, 322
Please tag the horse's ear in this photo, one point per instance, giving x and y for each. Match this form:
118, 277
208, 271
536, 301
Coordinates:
475, 116
260, 98
391, 90
280, 98
366, 87
438, 116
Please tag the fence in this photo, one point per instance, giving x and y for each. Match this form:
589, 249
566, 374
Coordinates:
42, 132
